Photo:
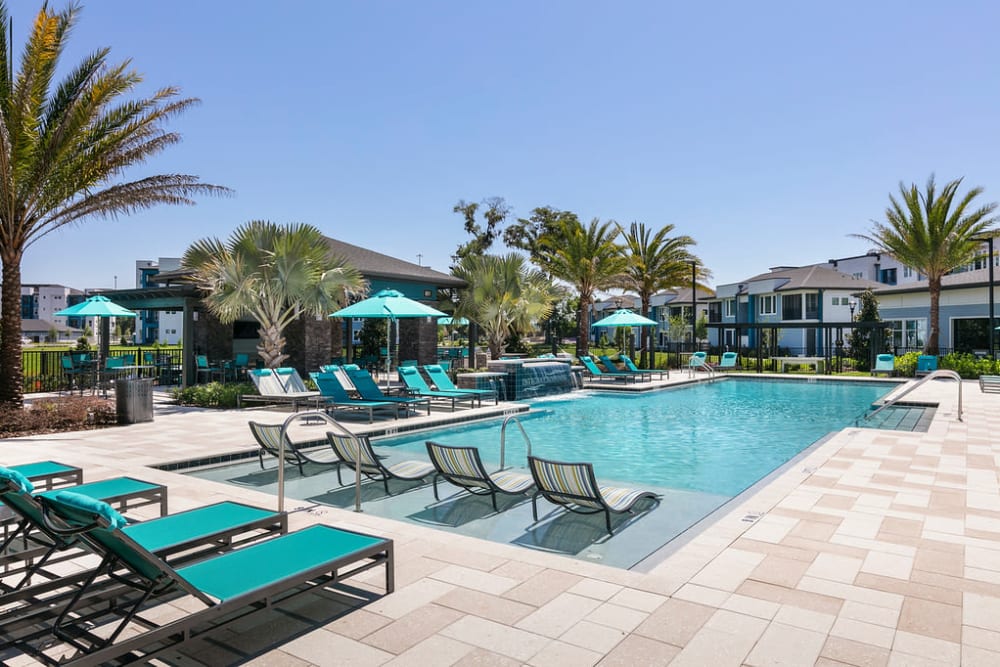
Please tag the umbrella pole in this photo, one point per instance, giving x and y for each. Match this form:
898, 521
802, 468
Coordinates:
388, 351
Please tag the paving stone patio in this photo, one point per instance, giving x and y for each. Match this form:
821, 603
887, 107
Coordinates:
878, 548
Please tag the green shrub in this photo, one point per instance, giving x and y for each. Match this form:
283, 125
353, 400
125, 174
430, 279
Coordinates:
967, 365
906, 364
213, 394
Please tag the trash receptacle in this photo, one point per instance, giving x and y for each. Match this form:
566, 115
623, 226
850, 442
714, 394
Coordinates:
134, 400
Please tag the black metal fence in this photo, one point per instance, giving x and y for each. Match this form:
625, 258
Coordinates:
43, 369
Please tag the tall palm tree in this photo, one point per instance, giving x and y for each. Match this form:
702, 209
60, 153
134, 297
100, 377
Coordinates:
933, 234
65, 151
656, 262
274, 274
587, 258
505, 296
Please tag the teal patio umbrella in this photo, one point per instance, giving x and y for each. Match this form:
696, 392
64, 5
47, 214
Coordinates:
102, 307
391, 305
624, 318
452, 321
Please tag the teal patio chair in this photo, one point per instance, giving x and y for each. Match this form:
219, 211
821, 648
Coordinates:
336, 397
268, 437
595, 373
463, 467
612, 369
630, 365
72, 373
241, 365
369, 391
416, 386
218, 589
574, 487
728, 361
206, 370
438, 373
926, 364
884, 364
347, 451
226, 524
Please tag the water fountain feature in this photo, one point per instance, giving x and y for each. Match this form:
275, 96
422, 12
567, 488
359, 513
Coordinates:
530, 378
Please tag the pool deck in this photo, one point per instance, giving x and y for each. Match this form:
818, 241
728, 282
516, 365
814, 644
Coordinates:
878, 547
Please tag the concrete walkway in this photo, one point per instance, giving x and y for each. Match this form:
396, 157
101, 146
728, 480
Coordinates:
879, 547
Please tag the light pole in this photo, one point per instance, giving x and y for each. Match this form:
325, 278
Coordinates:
852, 304
989, 328
694, 301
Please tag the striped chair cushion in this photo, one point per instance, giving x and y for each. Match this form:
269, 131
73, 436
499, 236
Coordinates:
512, 482
573, 479
347, 449
460, 462
620, 499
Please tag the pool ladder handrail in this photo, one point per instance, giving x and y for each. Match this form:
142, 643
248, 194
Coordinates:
940, 373
337, 426
702, 364
503, 437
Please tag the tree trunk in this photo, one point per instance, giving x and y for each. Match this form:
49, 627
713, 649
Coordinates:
934, 290
11, 369
583, 327
271, 345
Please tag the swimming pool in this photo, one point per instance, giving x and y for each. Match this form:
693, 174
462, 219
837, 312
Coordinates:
697, 446
716, 438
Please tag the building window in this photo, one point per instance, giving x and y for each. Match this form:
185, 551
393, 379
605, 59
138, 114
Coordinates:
887, 276
768, 305
907, 272
859, 275
791, 307
812, 306
908, 334
730, 307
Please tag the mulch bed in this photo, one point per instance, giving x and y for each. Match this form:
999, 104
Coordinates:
57, 415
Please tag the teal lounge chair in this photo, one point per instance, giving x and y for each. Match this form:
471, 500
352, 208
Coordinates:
438, 374
989, 384
884, 363
926, 364
415, 384
463, 467
218, 589
596, 373
369, 391
347, 451
50, 474
630, 365
268, 437
728, 361
336, 398
224, 524
612, 369
574, 487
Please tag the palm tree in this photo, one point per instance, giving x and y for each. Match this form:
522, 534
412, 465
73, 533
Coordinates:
933, 234
274, 274
505, 296
587, 258
65, 151
655, 263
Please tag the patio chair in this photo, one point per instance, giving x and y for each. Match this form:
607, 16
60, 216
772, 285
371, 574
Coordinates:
630, 365
612, 369
438, 373
463, 467
369, 391
415, 384
595, 373
216, 587
291, 382
73, 373
271, 389
341, 374
206, 370
728, 361
336, 397
989, 384
574, 486
347, 451
268, 437
884, 363
240, 367
926, 364
213, 526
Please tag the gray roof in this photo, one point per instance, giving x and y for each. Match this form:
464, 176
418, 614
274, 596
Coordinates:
977, 278
814, 277
43, 326
373, 264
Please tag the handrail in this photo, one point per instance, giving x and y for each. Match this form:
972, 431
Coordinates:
503, 436
942, 373
312, 414
702, 364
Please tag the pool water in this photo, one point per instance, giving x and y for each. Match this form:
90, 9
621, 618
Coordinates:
716, 438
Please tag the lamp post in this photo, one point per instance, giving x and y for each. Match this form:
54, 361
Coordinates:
989, 328
852, 304
694, 301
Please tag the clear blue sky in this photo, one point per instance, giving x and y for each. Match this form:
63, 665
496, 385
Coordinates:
767, 131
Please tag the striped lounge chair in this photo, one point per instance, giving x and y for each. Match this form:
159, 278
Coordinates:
463, 467
346, 448
574, 486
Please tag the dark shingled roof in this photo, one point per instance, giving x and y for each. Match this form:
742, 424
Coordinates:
376, 265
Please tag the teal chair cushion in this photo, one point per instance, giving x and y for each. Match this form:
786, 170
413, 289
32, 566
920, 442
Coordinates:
19, 480
92, 505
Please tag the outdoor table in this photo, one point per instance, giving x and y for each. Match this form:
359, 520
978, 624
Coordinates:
816, 362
